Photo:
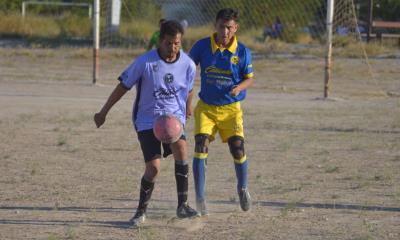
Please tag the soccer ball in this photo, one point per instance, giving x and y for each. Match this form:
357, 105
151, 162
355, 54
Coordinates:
167, 128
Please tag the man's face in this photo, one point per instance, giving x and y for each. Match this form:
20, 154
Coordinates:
226, 30
170, 45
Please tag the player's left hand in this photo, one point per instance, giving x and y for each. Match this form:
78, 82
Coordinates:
235, 91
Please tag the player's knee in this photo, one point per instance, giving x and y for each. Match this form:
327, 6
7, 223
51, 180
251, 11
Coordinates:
151, 172
236, 147
201, 143
179, 145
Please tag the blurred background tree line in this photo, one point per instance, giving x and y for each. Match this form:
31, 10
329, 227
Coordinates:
137, 8
388, 10
139, 18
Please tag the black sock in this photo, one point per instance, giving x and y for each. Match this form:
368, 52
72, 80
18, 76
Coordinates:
181, 176
146, 188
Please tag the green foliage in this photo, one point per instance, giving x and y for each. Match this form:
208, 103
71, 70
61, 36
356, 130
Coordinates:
302, 20
291, 12
387, 10
294, 16
10, 6
14, 25
75, 26
136, 9
139, 29
7, 6
71, 26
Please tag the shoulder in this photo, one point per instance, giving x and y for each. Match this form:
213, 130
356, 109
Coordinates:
244, 52
140, 63
149, 56
242, 48
202, 42
186, 59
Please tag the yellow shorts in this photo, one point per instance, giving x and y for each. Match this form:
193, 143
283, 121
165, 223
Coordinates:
225, 119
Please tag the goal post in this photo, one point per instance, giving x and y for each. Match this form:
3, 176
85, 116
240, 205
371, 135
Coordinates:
328, 61
96, 40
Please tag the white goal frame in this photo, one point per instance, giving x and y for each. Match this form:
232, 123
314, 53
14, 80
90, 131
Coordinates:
65, 4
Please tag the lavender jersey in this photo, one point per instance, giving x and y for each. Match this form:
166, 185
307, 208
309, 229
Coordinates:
161, 87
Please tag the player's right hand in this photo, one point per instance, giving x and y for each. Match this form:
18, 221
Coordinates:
99, 119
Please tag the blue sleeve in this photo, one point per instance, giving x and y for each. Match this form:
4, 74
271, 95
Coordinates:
247, 71
195, 53
131, 75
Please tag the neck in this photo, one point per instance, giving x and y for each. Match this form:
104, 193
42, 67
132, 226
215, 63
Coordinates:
166, 57
221, 44
169, 58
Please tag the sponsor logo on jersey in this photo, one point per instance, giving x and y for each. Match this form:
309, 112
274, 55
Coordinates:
214, 69
155, 67
234, 60
165, 93
168, 78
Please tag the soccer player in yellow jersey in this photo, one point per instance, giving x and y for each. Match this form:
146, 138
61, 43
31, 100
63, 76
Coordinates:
226, 73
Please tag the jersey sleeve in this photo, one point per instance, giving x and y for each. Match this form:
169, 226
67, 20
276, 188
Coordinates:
131, 75
191, 75
195, 53
248, 65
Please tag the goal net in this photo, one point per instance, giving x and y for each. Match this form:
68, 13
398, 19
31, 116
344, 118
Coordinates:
288, 39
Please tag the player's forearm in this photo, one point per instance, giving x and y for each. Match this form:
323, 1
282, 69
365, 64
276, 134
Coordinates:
189, 99
115, 96
189, 105
245, 84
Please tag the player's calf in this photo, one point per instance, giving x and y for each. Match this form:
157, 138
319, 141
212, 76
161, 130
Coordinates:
236, 146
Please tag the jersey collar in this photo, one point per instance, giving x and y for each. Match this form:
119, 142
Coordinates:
232, 48
176, 59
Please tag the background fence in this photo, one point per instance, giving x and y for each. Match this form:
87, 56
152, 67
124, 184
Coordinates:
284, 29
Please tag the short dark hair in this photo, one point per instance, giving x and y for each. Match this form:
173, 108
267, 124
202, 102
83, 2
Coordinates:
228, 14
171, 28
161, 21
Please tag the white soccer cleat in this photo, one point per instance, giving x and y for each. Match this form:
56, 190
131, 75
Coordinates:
138, 218
202, 208
245, 199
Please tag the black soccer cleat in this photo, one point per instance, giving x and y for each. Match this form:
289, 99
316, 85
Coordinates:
185, 211
138, 218
245, 200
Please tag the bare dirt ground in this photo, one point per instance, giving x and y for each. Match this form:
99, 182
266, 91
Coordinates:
319, 169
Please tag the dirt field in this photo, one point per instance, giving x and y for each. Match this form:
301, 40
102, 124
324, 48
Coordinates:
319, 169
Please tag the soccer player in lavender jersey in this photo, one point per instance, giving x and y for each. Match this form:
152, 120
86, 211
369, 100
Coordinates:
226, 73
164, 80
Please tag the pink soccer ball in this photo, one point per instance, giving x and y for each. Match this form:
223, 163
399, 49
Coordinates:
167, 128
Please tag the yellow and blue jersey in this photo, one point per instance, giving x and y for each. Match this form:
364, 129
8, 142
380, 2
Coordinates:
221, 69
